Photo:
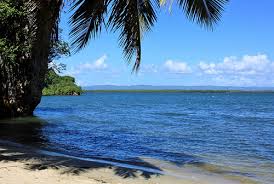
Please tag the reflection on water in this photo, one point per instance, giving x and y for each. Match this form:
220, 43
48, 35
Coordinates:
23, 130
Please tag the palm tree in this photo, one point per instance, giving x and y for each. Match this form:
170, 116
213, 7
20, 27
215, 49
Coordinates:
21, 85
133, 18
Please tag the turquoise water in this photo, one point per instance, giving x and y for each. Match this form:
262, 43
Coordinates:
228, 133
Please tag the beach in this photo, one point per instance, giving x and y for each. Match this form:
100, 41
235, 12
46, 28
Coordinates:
20, 164
190, 105
186, 138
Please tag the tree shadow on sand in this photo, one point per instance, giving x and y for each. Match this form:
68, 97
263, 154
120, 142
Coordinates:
36, 161
27, 133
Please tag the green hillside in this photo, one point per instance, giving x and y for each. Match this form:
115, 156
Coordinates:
60, 85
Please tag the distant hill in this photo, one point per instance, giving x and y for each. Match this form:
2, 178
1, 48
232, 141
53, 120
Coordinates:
151, 87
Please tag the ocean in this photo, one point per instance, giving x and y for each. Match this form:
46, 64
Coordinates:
230, 134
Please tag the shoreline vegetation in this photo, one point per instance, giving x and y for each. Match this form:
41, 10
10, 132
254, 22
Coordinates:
69, 88
56, 85
177, 91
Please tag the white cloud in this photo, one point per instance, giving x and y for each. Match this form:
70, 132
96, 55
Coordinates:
247, 70
98, 65
247, 65
177, 67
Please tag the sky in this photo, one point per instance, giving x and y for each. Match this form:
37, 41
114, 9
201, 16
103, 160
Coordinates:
238, 52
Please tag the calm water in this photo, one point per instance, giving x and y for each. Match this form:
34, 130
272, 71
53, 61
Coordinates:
230, 133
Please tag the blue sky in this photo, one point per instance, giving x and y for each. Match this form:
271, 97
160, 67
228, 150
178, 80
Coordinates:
238, 52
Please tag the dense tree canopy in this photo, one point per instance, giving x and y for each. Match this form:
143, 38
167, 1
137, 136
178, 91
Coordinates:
60, 85
13, 41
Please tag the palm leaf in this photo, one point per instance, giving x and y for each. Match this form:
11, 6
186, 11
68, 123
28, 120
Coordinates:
204, 12
86, 21
132, 18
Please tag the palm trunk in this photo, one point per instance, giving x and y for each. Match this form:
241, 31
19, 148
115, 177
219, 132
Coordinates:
21, 83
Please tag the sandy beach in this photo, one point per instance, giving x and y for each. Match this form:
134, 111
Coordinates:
24, 165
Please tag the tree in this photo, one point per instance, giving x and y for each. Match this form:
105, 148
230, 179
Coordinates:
60, 85
28, 27
54, 83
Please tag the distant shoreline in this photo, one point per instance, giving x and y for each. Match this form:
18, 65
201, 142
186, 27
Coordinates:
176, 91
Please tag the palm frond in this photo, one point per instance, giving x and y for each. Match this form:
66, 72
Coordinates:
132, 18
204, 12
86, 21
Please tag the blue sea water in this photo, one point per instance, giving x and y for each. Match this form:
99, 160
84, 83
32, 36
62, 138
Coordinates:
233, 132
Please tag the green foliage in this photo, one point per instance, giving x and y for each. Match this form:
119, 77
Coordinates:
14, 32
60, 85
15, 47
55, 84
58, 49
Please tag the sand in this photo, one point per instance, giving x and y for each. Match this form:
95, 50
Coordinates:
28, 166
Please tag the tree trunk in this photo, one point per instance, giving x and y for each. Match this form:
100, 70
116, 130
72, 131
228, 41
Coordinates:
21, 82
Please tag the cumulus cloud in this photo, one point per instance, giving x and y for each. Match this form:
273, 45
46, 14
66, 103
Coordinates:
99, 64
177, 67
247, 65
247, 70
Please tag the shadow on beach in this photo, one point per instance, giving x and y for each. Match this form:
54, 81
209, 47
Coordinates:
21, 140
27, 133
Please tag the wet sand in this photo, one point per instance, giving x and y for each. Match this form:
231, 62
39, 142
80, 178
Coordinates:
19, 164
